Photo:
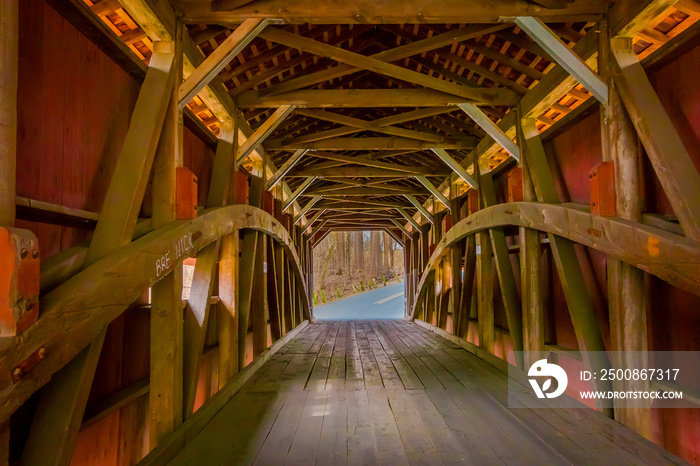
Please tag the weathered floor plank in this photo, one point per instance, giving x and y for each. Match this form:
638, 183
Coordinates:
387, 392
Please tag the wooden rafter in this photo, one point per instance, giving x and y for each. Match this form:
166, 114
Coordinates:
412, 11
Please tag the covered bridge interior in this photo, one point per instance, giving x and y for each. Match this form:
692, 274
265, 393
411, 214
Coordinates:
538, 160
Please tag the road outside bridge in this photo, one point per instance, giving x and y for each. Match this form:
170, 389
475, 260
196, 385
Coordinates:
380, 303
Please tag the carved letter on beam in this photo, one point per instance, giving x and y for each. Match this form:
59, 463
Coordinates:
491, 128
219, 58
568, 60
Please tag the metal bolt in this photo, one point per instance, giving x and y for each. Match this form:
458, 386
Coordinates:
23, 253
17, 373
35, 253
41, 353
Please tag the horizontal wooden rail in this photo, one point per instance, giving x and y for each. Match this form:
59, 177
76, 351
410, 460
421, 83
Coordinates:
672, 258
177, 440
73, 314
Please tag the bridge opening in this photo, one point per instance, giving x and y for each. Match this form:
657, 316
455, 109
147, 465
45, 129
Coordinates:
358, 275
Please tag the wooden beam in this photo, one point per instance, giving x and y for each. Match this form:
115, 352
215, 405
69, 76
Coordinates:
306, 208
196, 321
359, 205
433, 190
411, 11
372, 143
619, 239
484, 289
377, 66
166, 339
61, 408
420, 208
400, 226
298, 192
158, 23
531, 282
9, 53
567, 59
455, 166
669, 157
353, 98
260, 134
313, 219
99, 410
412, 48
394, 236
284, 169
364, 172
356, 124
491, 128
627, 304
315, 229
365, 161
69, 322
378, 191
222, 165
228, 291
124, 196
410, 219
380, 123
114, 229
578, 298
504, 271
551, 3
165, 452
259, 311
219, 58
629, 17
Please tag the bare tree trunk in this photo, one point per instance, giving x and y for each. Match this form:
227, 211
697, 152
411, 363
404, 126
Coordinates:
392, 246
374, 259
340, 251
385, 253
359, 252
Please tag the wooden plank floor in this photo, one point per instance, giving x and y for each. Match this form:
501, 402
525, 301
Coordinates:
386, 392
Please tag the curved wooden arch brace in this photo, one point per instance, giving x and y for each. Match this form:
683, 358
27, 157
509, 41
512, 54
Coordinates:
76, 312
670, 257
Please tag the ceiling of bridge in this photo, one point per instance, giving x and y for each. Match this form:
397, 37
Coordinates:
369, 124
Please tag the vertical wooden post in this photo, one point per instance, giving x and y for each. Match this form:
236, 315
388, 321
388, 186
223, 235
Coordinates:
247, 273
64, 403
228, 317
258, 304
626, 294
530, 270
578, 298
229, 278
5, 444
166, 346
484, 288
467, 293
65, 406
456, 260
504, 269
9, 57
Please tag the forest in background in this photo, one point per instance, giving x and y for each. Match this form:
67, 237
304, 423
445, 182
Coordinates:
345, 259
